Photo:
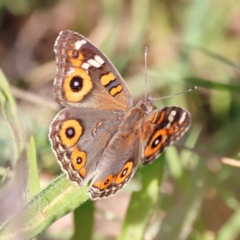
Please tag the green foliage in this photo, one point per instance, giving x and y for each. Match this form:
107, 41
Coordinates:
33, 178
143, 203
83, 221
185, 194
9, 112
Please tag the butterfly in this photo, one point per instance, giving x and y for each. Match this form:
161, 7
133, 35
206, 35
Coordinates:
102, 134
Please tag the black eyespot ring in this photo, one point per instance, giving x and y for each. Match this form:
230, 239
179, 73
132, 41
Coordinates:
79, 160
156, 141
106, 182
70, 132
76, 83
124, 172
75, 54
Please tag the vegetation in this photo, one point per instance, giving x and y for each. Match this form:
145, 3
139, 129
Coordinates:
191, 192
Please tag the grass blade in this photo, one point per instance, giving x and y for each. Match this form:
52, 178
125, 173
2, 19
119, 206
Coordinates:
9, 111
33, 179
142, 203
83, 221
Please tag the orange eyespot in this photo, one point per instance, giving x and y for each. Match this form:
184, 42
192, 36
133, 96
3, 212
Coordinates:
76, 58
74, 53
124, 173
70, 132
77, 85
105, 183
156, 142
78, 158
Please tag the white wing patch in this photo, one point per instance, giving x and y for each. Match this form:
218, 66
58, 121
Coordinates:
94, 63
99, 59
97, 62
182, 118
79, 44
171, 115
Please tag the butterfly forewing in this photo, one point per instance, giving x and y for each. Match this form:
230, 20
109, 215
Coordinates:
85, 77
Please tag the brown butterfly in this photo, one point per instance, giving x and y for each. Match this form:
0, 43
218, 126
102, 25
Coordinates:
102, 134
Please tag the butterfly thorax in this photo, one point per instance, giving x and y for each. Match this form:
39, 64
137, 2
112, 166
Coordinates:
135, 116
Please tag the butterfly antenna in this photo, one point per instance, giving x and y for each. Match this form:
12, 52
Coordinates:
145, 71
189, 90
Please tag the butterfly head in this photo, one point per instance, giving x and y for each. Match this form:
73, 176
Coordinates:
146, 104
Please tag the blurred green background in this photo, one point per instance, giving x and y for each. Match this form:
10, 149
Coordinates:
190, 42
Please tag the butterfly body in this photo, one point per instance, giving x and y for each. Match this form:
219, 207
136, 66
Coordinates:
102, 134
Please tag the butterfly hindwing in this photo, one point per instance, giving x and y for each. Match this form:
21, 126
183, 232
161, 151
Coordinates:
161, 129
117, 165
78, 137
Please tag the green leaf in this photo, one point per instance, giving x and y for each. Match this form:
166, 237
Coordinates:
83, 221
230, 229
181, 216
9, 110
33, 178
55, 201
142, 203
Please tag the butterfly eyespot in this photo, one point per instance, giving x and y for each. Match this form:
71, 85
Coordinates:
71, 130
75, 57
76, 83
106, 182
157, 141
125, 172
75, 54
79, 160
